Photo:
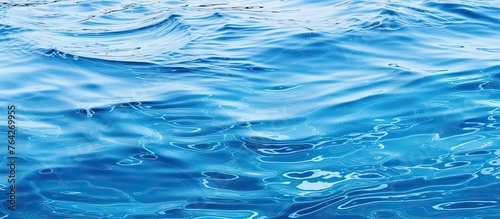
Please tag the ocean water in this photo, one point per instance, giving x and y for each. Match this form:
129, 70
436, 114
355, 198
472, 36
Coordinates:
251, 109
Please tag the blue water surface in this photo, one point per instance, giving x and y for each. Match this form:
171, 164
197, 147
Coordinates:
252, 109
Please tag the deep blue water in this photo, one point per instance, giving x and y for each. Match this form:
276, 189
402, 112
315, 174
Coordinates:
252, 109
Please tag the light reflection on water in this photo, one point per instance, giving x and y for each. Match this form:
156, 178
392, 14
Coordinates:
262, 109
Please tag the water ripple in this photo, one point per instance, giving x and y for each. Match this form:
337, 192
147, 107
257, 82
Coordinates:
253, 109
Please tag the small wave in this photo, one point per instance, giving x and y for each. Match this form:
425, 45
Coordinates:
261, 109
100, 36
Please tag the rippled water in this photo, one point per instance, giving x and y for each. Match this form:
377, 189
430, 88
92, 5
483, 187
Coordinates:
253, 109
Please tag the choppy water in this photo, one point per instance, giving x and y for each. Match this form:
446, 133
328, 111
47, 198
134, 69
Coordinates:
253, 109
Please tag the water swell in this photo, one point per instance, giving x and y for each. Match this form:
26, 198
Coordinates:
104, 37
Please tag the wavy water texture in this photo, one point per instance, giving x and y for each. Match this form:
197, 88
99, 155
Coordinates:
253, 109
